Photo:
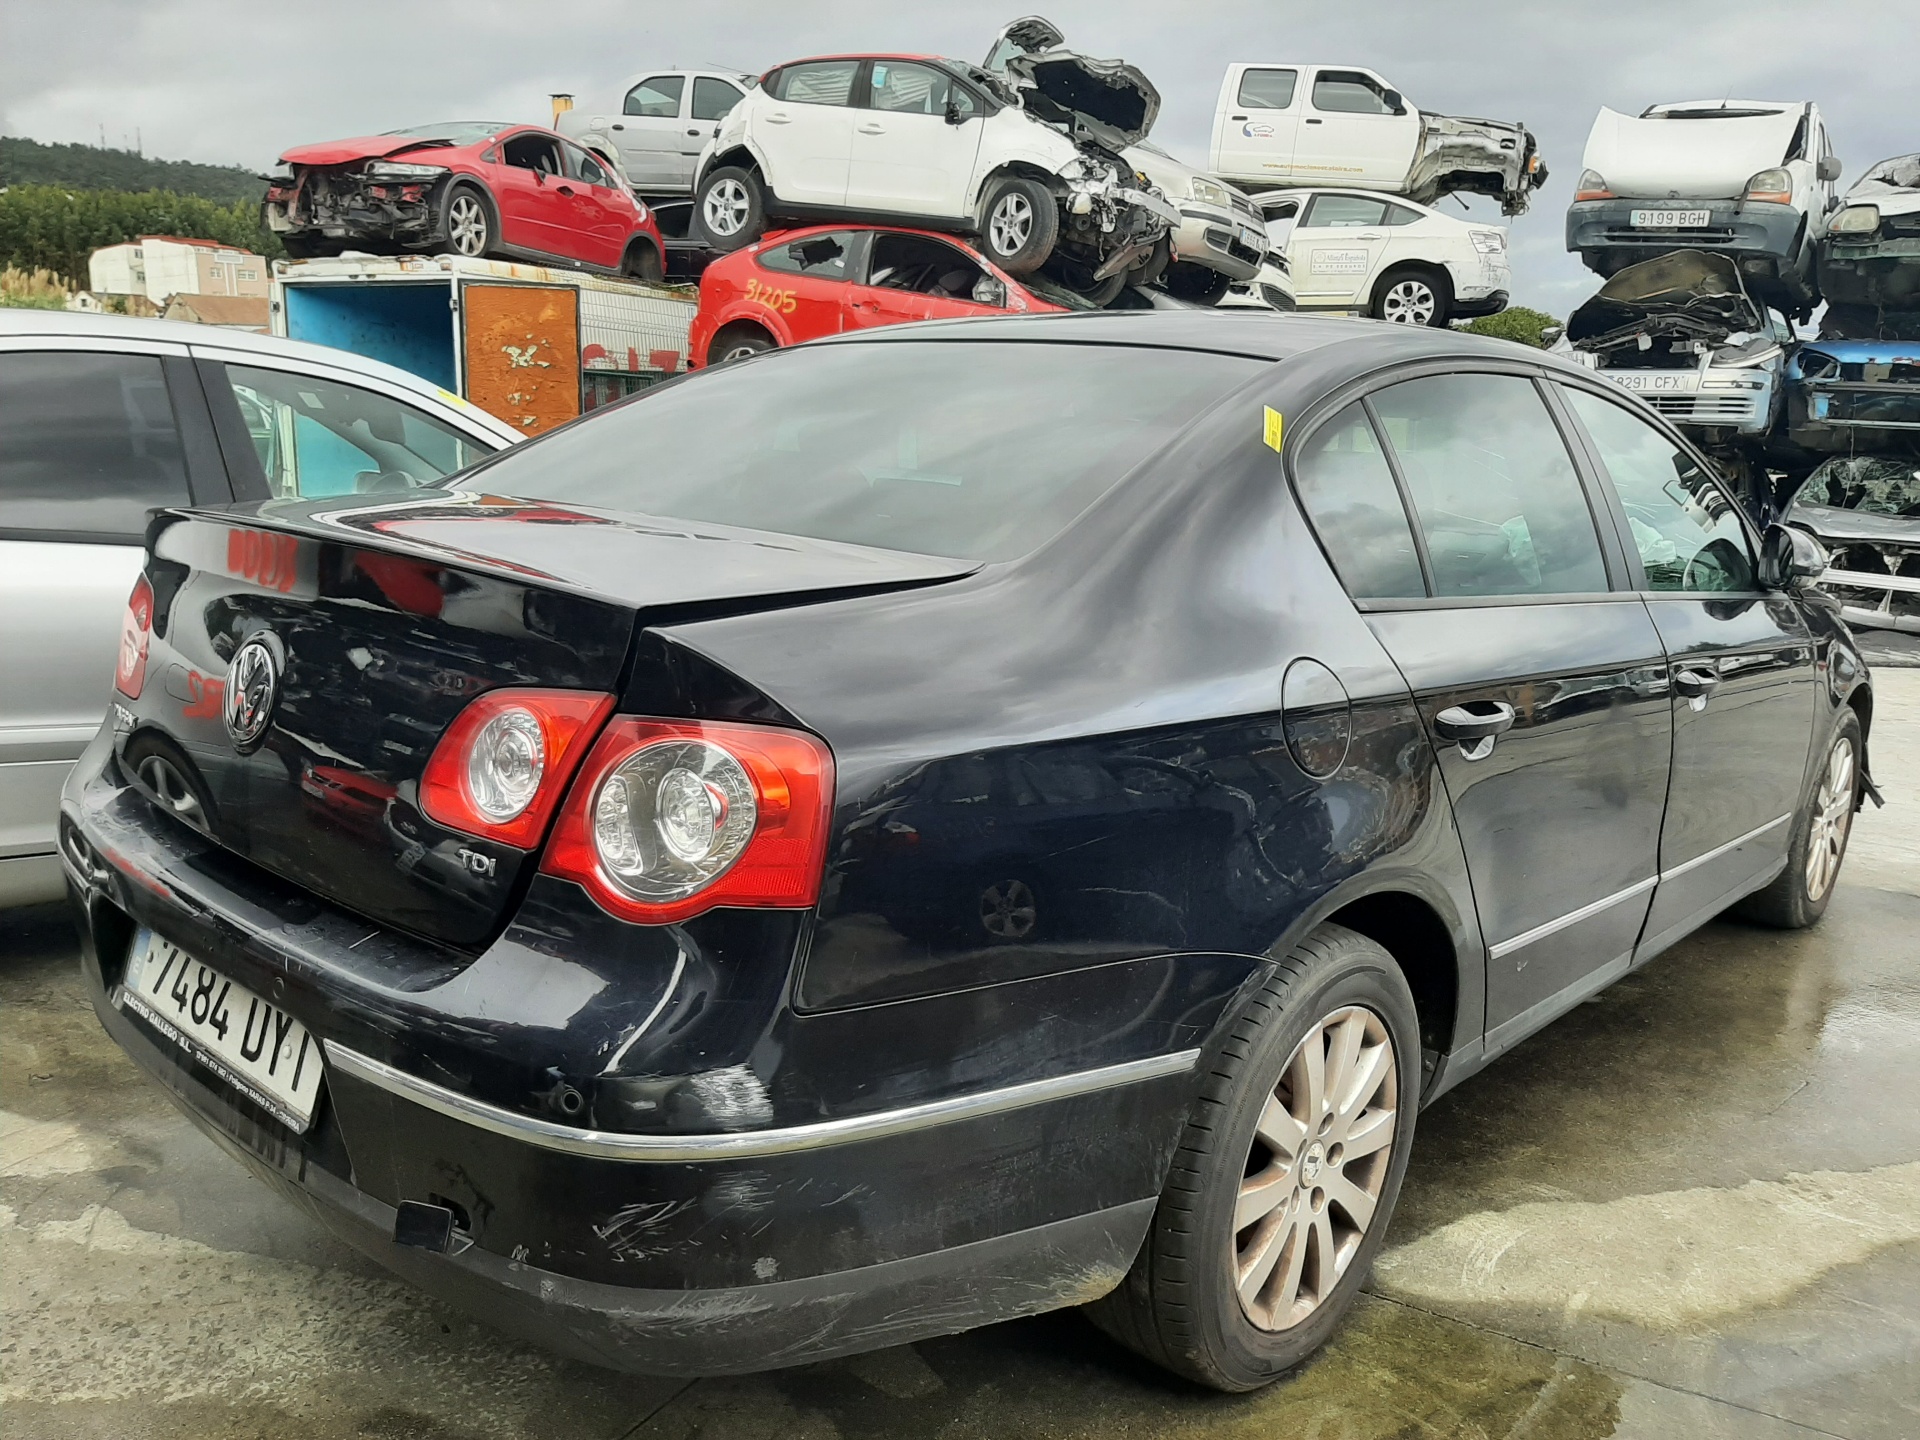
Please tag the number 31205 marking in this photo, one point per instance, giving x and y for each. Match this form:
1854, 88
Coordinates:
781, 300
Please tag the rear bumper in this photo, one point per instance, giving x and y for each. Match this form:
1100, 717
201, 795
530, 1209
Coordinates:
682, 1249
1490, 304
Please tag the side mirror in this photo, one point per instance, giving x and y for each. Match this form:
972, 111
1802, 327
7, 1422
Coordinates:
1828, 168
1396, 102
1788, 556
954, 117
1550, 333
989, 291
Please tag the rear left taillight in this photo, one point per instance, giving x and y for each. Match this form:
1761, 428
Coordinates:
136, 633
502, 766
670, 818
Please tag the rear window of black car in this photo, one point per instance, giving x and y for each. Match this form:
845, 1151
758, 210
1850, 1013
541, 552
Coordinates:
974, 450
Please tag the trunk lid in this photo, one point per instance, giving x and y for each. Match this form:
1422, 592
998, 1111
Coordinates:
386, 621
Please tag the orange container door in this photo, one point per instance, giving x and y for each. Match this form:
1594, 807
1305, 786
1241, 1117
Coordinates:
523, 353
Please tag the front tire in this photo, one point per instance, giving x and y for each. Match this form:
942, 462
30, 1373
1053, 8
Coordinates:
1285, 1180
739, 342
1020, 224
731, 209
468, 222
1413, 295
1799, 894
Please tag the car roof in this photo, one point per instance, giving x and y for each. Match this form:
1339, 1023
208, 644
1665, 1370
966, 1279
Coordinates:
858, 55
1257, 334
69, 325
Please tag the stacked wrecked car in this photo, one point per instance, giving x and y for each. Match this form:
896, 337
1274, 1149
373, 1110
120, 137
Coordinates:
1715, 224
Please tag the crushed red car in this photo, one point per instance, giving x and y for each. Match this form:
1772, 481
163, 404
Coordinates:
801, 284
472, 187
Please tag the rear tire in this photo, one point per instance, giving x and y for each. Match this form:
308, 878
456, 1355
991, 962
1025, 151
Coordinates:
1019, 224
1799, 894
1413, 295
1196, 283
731, 209
738, 342
1237, 1205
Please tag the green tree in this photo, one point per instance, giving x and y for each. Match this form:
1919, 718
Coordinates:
53, 228
90, 167
1516, 322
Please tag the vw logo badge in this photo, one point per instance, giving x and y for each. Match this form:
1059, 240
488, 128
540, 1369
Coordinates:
253, 684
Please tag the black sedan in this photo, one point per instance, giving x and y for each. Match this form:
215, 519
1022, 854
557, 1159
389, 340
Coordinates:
946, 823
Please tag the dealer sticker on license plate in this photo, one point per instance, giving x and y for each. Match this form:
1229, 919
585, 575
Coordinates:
1663, 382
257, 1048
1671, 219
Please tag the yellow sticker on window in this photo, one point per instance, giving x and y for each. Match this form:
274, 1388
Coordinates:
1276, 426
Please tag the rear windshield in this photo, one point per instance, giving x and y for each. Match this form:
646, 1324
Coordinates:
975, 450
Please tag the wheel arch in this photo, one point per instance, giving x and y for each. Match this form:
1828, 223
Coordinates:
734, 322
742, 155
646, 242
1025, 169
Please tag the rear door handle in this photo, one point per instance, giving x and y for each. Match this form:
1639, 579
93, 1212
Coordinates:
1236, 117
619, 127
775, 117
872, 129
1474, 726
694, 131
1312, 121
1370, 235
565, 189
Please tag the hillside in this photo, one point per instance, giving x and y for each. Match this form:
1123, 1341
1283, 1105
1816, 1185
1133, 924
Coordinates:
86, 167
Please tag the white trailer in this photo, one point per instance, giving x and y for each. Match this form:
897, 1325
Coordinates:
531, 345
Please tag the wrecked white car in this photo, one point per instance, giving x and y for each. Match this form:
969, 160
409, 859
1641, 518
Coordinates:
1870, 258
1292, 124
1030, 165
1866, 510
1221, 237
1682, 332
1751, 179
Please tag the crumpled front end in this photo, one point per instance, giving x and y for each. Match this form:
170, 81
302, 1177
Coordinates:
1683, 334
381, 202
1110, 219
1866, 510
1870, 256
1853, 394
1477, 157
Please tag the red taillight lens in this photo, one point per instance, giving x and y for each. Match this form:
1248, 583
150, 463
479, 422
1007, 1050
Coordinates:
136, 632
504, 763
673, 818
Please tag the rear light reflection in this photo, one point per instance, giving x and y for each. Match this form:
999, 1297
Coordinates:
673, 818
136, 634
499, 771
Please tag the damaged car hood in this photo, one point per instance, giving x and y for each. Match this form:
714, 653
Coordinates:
364, 147
1672, 151
1107, 101
1697, 288
1893, 185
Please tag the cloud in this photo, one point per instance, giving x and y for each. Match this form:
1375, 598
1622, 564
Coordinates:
208, 80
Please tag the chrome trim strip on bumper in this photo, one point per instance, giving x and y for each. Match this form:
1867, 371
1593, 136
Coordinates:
1861, 580
1714, 854
614, 1145
1572, 917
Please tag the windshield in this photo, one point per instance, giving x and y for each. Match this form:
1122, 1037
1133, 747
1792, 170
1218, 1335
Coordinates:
975, 450
1868, 483
457, 132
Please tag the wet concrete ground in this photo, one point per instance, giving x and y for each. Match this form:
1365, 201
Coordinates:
1691, 1208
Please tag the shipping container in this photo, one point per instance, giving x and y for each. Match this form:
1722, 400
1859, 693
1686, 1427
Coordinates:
532, 345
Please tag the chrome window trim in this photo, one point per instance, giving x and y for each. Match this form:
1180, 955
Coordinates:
612, 1145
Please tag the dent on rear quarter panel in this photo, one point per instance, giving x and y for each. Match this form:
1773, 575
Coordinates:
1094, 736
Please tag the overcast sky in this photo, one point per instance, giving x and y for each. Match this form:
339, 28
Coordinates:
212, 81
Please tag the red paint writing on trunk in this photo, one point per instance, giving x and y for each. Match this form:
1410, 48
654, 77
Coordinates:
268, 560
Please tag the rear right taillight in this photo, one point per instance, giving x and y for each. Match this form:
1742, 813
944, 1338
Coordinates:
670, 818
136, 633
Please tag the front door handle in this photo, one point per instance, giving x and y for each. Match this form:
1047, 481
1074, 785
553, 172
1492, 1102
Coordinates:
694, 131
1696, 685
872, 129
1312, 121
1474, 726
776, 117
863, 304
566, 189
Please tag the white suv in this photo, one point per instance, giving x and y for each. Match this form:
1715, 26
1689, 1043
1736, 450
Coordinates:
1387, 256
1030, 164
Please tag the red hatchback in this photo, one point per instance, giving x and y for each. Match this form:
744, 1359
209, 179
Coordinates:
802, 284
471, 187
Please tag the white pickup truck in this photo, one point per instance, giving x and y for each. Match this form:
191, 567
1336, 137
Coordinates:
1286, 124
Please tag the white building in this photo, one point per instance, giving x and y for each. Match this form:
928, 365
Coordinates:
160, 267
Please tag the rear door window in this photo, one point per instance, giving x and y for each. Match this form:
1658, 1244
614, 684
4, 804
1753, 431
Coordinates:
657, 98
1347, 489
1499, 502
817, 82
1268, 89
88, 443
712, 98
317, 436
1685, 528
1344, 212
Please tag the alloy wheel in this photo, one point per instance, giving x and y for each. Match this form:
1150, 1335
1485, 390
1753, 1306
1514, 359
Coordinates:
739, 352
1832, 817
1409, 302
1011, 224
467, 225
1008, 910
172, 790
726, 207
1315, 1169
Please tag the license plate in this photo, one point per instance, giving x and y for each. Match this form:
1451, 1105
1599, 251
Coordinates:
1671, 219
1667, 382
257, 1048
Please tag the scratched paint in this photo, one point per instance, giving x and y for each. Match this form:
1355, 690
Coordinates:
522, 353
